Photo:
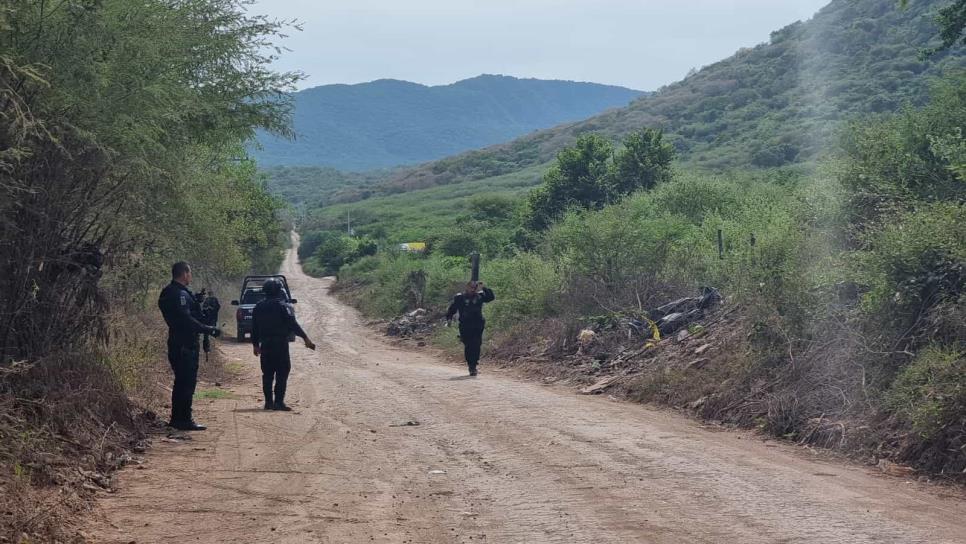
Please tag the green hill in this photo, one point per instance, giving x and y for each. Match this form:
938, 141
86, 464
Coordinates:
389, 122
775, 104
769, 105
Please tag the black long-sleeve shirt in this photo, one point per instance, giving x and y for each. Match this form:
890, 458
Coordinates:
470, 307
182, 314
274, 319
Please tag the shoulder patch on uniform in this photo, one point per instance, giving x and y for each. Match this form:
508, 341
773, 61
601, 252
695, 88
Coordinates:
184, 299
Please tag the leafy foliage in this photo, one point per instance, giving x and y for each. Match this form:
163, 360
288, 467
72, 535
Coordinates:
589, 175
916, 156
324, 253
314, 186
576, 179
952, 22
929, 393
122, 126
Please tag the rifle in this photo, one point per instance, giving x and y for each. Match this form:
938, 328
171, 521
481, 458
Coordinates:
475, 266
209, 316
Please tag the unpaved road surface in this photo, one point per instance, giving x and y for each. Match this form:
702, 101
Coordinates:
493, 459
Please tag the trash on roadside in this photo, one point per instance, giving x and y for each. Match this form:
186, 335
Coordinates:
410, 423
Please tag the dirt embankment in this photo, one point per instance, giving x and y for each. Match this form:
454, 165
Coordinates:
391, 445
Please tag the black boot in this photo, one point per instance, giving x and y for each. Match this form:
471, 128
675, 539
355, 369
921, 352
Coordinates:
267, 390
280, 403
280, 385
187, 426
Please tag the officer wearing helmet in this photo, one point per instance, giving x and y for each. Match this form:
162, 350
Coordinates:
469, 304
273, 322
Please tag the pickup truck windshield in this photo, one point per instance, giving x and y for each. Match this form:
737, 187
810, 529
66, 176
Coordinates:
252, 297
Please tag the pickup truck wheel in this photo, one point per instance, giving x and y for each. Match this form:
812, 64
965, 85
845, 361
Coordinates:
241, 337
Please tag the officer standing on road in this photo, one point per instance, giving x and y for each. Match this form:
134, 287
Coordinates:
273, 321
183, 315
469, 304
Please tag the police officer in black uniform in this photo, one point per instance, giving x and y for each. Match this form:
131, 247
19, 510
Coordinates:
182, 313
469, 304
273, 321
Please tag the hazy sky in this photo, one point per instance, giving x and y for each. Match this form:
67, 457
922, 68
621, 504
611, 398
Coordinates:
641, 44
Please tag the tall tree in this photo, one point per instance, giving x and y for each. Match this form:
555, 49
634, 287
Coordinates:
643, 162
122, 126
577, 178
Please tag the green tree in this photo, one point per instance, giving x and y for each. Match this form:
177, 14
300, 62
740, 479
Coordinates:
122, 129
577, 179
643, 162
952, 23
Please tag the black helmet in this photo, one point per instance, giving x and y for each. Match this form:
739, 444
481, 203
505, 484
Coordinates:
272, 287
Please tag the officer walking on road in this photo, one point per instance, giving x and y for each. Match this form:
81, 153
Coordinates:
273, 321
469, 304
183, 315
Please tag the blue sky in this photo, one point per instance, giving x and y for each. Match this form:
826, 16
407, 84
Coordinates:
641, 44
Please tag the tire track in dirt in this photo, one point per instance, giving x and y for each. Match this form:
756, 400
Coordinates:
523, 462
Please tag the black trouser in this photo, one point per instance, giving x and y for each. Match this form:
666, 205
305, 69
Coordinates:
471, 334
275, 366
184, 363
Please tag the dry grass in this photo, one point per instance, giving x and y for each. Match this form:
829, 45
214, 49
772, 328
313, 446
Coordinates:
68, 422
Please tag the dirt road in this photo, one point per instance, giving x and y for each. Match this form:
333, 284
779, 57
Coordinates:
493, 459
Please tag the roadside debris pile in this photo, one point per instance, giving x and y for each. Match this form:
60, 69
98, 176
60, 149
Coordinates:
416, 323
683, 312
606, 353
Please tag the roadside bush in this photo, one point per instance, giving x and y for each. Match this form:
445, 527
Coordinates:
915, 272
615, 257
392, 283
929, 397
332, 250
894, 162
929, 393
526, 286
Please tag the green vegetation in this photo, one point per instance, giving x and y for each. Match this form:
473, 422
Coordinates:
774, 104
331, 251
214, 394
387, 123
421, 215
314, 186
590, 175
929, 392
847, 276
122, 132
952, 24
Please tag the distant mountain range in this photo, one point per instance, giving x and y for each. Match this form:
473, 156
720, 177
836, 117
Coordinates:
389, 122
773, 104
